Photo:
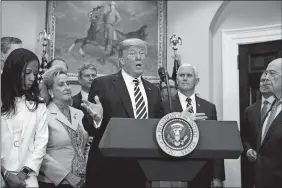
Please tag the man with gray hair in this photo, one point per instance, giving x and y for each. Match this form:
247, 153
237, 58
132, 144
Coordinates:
254, 116
212, 174
8, 44
268, 165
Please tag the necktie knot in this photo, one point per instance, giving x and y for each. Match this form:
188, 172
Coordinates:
265, 102
189, 100
189, 103
136, 82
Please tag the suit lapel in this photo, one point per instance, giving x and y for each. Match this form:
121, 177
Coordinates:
199, 106
28, 117
74, 118
176, 105
54, 110
256, 116
9, 125
149, 97
122, 91
276, 122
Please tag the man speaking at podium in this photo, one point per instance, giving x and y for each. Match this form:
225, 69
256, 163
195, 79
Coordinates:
124, 94
212, 174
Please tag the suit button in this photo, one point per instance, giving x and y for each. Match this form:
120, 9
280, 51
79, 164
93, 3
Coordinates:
17, 144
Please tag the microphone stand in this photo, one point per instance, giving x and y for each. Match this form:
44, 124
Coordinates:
168, 90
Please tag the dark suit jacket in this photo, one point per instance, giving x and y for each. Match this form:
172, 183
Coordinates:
108, 172
215, 168
77, 100
268, 166
250, 129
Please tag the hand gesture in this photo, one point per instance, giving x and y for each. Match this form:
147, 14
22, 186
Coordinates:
14, 181
95, 110
252, 155
216, 183
194, 116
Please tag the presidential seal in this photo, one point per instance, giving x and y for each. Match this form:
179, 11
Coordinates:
177, 135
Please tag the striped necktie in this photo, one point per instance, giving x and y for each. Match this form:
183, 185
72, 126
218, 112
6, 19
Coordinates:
189, 103
141, 110
264, 111
271, 117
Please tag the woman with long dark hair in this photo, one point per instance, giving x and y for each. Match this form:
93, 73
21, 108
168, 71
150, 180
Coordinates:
24, 129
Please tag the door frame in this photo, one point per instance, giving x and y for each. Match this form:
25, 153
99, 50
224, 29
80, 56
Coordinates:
231, 39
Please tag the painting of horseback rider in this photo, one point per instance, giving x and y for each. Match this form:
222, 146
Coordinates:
90, 31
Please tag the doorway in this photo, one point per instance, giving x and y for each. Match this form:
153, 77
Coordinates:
252, 61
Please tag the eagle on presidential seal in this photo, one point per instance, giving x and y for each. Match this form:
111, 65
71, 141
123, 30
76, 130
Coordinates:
177, 135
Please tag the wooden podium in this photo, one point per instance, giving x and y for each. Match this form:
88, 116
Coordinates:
135, 138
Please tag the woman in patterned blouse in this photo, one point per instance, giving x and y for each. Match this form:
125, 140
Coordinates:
65, 162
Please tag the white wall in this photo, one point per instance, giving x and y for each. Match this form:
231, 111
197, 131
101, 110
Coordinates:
191, 20
237, 14
24, 19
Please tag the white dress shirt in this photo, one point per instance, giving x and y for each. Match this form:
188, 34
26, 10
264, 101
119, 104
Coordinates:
84, 95
130, 88
184, 103
279, 108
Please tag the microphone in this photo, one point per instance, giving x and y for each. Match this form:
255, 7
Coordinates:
164, 78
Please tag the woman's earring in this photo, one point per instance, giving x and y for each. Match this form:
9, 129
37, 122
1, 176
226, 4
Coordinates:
52, 96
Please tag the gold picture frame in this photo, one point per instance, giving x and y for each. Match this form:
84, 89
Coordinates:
159, 47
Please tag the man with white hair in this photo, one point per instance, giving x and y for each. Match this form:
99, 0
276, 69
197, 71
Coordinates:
254, 116
268, 165
212, 174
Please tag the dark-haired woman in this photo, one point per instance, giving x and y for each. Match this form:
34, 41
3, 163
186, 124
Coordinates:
24, 128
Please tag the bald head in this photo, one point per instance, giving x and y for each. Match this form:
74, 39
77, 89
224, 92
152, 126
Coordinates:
273, 77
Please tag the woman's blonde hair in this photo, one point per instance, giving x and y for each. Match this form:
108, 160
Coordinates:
49, 75
48, 80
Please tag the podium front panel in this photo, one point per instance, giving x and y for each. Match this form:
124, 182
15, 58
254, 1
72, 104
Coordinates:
128, 137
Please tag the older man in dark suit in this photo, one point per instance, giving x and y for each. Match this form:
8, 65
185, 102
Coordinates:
268, 163
251, 127
212, 174
124, 94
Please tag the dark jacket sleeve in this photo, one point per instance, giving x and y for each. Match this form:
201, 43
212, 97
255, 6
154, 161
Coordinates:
245, 132
87, 119
217, 164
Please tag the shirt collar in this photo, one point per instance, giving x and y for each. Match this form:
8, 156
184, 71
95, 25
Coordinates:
128, 79
269, 99
183, 97
84, 94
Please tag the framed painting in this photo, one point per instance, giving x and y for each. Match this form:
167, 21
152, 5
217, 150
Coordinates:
89, 31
